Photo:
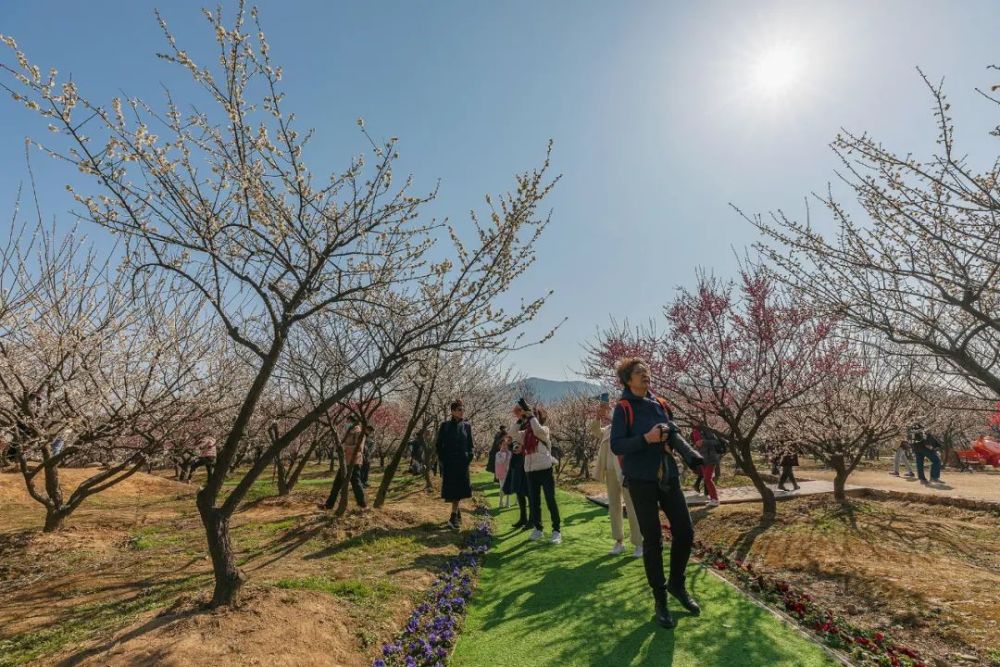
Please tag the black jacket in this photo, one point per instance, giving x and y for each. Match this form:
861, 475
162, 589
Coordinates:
454, 450
642, 460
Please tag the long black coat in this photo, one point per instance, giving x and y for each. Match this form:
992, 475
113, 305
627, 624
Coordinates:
517, 480
454, 450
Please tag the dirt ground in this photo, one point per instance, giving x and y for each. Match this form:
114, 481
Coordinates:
928, 574
979, 485
125, 581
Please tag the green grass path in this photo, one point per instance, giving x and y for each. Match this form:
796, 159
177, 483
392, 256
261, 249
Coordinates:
541, 604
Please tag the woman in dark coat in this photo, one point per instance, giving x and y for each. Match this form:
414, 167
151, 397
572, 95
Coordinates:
516, 483
454, 451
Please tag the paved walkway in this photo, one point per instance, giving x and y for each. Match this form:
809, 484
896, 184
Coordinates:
748, 494
982, 485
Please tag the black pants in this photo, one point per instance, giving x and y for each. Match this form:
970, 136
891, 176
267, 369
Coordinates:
365, 468
540, 481
648, 499
787, 475
522, 507
338, 482
207, 461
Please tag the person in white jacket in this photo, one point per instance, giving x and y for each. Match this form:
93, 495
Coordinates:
534, 440
609, 471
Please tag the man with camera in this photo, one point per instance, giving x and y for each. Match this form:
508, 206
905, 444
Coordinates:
643, 433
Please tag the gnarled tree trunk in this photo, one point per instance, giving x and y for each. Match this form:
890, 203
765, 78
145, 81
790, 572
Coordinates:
743, 455
228, 577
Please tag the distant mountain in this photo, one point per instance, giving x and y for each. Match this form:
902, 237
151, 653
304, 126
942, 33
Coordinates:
551, 391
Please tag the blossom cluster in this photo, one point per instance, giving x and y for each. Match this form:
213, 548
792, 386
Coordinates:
432, 629
867, 648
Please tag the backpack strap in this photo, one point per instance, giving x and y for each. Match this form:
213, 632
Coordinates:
626, 407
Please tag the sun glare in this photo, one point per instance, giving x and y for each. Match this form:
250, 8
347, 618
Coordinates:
776, 70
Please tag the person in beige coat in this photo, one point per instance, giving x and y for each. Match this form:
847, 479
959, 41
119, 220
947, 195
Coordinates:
609, 471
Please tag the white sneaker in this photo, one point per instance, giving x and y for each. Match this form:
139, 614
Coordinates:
617, 549
535, 535
638, 552
712, 503
556, 537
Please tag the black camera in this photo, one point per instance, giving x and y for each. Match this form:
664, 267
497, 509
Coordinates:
523, 404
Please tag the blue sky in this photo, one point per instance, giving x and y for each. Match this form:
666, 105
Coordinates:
659, 117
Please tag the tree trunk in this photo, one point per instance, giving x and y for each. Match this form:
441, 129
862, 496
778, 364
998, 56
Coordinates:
281, 477
743, 456
53, 519
228, 578
389, 473
839, 479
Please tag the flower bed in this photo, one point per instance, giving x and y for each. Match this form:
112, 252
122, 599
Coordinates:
866, 648
432, 630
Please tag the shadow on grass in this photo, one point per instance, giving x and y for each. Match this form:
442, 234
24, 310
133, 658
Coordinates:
425, 535
574, 605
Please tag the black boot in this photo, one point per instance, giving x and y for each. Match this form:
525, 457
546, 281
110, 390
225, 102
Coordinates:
453, 522
679, 591
663, 617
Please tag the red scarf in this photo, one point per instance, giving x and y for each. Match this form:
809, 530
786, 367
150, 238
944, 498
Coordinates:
530, 440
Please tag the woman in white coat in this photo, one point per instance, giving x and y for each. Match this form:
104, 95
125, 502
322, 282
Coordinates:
609, 471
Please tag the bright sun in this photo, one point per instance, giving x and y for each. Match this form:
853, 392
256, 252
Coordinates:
776, 70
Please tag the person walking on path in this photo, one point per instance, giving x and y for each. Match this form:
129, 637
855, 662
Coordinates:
454, 454
787, 460
502, 464
925, 447
903, 455
535, 440
609, 471
710, 446
353, 445
695, 442
643, 433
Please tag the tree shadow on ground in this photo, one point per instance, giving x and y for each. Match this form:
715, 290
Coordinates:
428, 535
152, 624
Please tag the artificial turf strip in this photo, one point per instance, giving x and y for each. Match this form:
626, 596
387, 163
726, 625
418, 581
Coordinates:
541, 604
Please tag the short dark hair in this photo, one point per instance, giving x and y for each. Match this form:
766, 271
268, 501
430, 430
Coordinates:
457, 404
625, 367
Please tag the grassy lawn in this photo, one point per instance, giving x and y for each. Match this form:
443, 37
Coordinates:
541, 604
